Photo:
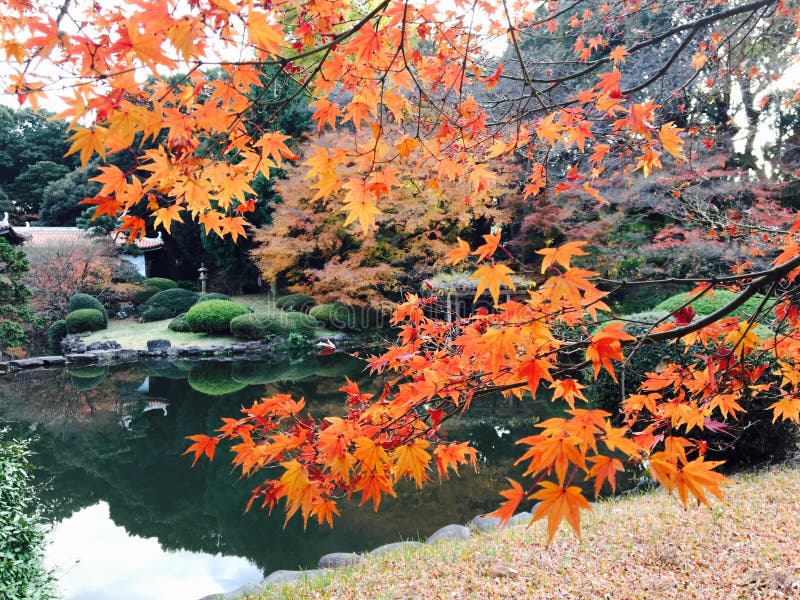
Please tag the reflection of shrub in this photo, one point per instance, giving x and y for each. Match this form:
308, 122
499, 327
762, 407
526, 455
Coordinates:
84, 384
214, 379
213, 296
253, 373
171, 303
85, 319
89, 372
295, 302
79, 301
339, 366
145, 293
179, 324
56, 332
265, 325
336, 316
213, 316
162, 283
706, 305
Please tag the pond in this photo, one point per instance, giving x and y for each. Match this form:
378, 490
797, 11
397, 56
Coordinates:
131, 518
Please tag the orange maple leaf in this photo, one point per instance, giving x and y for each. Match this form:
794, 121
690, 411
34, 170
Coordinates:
604, 469
203, 444
450, 456
672, 143
559, 503
561, 255
412, 459
492, 276
513, 496
456, 255
359, 204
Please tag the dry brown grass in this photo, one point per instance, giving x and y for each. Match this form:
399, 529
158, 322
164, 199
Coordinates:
642, 547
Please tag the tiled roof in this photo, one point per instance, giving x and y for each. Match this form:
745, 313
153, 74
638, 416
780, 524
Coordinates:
47, 237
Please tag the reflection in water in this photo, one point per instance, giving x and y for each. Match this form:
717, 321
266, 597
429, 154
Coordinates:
116, 439
93, 557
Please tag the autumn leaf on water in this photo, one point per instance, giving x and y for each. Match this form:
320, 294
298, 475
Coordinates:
559, 503
561, 255
203, 444
513, 496
492, 276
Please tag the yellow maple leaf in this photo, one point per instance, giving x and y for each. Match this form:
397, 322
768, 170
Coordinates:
359, 204
412, 459
87, 141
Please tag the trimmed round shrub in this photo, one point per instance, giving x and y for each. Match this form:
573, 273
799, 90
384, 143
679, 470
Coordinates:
295, 302
213, 316
172, 302
79, 301
56, 332
145, 294
265, 325
706, 305
336, 316
156, 313
85, 319
162, 283
213, 296
214, 379
179, 324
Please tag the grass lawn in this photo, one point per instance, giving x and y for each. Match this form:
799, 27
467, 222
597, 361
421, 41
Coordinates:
638, 547
132, 335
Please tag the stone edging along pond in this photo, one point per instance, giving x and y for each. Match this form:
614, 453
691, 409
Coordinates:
335, 560
75, 352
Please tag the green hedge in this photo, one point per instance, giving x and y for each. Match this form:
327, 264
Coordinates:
265, 325
79, 301
213, 316
145, 294
179, 324
162, 283
295, 302
85, 319
170, 303
55, 333
706, 305
156, 313
336, 316
213, 296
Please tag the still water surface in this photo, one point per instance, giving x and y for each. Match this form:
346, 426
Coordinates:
131, 518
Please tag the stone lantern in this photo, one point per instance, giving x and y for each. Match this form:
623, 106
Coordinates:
203, 278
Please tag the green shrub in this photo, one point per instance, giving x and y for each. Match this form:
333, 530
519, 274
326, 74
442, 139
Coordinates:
162, 283
23, 575
156, 313
172, 302
145, 293
213, 296
295, 302
254, 372
179, 324
85, 319
336, 316
706, 305
265, 325
214, 379
56, 332
79, 301
213, 316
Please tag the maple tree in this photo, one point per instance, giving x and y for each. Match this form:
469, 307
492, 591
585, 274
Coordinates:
414, 83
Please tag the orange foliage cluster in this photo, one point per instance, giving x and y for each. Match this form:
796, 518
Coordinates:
308, 249
407, 78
